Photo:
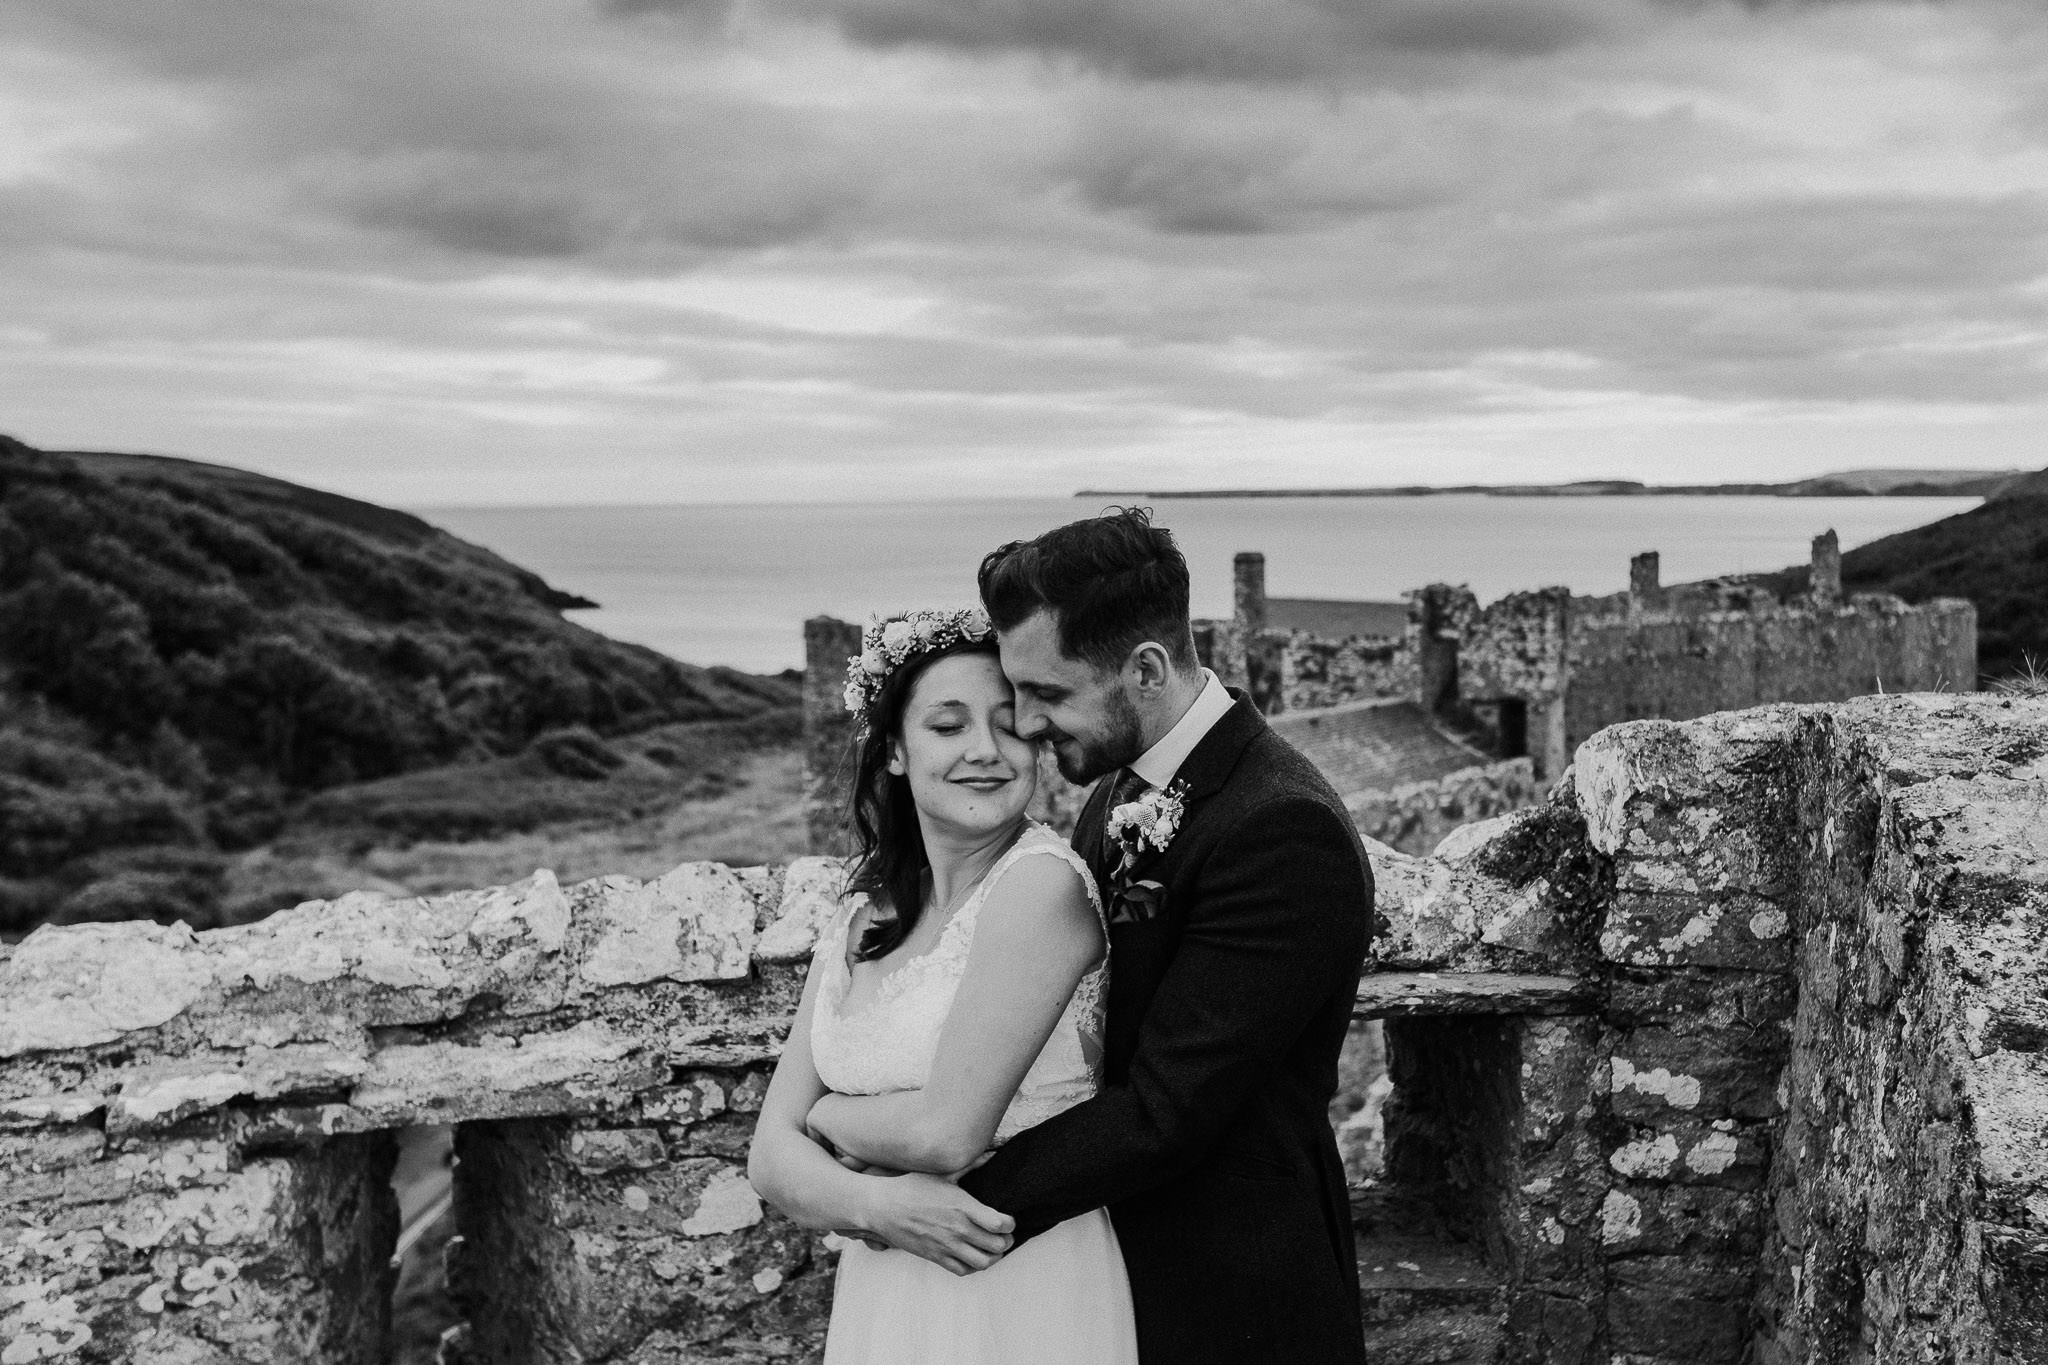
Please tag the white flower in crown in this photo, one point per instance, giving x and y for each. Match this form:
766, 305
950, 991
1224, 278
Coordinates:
1151, 821
886, 644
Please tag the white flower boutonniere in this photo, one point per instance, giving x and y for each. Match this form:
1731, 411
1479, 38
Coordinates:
1147, 824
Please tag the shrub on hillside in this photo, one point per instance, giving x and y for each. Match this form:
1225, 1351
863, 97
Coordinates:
60, 802
210, 647
163, 884
575, 752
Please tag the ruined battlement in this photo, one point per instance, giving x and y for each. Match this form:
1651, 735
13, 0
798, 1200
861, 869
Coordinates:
1736, 1048
1535, 673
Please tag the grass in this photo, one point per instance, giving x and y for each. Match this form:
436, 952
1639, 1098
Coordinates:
729, 792
2030, 681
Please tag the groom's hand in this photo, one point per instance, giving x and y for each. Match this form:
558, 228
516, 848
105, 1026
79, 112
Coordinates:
933, 1218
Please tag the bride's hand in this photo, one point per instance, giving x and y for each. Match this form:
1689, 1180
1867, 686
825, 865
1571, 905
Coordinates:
934, 1219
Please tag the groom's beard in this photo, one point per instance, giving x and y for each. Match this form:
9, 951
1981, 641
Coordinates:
1122, 742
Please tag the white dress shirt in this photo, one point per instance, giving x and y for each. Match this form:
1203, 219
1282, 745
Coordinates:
1158, 764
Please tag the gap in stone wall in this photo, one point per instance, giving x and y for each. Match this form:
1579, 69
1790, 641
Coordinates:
1431, 1246
1358, 1113
423, 1311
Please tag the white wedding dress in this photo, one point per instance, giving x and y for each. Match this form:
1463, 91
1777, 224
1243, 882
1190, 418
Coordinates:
1061, 1297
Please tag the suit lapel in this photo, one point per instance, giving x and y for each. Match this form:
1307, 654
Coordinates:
1215, 756
1207, 767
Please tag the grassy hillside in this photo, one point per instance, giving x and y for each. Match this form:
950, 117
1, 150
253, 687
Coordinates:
188, 653
1995, 554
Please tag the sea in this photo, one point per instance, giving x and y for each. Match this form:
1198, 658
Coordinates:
732, 584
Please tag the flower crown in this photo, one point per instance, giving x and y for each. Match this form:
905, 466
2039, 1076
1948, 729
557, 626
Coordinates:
888, 643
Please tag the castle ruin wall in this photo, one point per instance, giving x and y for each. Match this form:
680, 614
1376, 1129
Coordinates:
1415, 817
1537, 672
1736, 1048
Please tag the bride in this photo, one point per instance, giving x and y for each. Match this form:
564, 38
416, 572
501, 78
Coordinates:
956, 1000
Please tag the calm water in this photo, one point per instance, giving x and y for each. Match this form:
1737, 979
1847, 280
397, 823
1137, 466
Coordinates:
733, 584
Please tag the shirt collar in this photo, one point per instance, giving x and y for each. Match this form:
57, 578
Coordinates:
1158, 764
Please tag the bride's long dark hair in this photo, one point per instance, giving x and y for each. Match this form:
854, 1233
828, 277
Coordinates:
891, 862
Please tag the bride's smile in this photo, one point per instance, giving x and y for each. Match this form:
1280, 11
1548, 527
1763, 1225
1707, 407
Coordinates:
970, 773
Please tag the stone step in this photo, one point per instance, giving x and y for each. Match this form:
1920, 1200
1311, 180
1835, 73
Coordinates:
1428, 1298
1384, 995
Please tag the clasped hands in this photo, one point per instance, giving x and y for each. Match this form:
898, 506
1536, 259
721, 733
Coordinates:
929, 1216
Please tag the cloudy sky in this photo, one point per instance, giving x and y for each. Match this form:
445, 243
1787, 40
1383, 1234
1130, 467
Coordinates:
458, 251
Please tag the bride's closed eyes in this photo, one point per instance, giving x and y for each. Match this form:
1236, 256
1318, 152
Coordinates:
950, 718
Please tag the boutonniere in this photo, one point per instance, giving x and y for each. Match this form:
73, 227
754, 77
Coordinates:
1147, 824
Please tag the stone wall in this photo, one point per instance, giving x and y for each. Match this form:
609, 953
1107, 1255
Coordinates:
1677, 665
1416, 816
1535, 673
1734, 1049
1910, 1205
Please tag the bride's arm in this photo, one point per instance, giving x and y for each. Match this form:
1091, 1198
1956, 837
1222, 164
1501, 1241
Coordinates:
788, 1168
915, 1213
1036, 937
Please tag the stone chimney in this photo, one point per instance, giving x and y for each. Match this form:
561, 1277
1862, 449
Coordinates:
1645, 592
1249, 604
1825, 583
828, 731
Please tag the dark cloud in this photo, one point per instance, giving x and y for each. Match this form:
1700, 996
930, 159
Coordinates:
1240, 40
454, 128
707, 236
1193, 180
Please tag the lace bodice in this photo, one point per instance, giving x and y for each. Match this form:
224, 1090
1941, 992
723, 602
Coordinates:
888, 1041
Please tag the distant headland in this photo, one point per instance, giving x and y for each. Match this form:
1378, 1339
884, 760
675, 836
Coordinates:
1854, 483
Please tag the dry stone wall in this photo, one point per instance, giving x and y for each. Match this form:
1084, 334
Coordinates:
1731, 1050
1417, 816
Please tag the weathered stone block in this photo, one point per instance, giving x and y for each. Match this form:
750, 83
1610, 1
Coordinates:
1548, 1329
1751, 1001
599, 1151
1687, 1151
587, 1243
207, 1256
810, 899
693, 924
1671, 1309
1720, 929
586, 1067
1698, 1069
1718, 1225
91, 983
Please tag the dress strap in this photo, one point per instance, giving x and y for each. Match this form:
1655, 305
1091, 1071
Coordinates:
832, 943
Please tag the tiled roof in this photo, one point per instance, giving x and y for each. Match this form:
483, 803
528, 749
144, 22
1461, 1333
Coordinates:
1335, 620
1375, 745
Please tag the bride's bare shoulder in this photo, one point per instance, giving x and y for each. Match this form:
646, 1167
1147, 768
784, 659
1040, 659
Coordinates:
1046, 887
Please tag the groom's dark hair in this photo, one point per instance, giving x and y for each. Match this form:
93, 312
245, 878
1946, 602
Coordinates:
1110, 582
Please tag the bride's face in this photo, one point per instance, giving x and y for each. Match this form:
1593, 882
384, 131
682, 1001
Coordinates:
959, 748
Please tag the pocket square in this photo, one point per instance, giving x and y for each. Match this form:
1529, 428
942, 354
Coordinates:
1136, 903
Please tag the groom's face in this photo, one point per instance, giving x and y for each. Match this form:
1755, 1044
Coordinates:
1086, 714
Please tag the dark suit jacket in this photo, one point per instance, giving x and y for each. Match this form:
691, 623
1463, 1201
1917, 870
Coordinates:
1210, 1140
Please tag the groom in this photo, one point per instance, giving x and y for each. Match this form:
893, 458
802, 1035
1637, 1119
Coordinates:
1239, 902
